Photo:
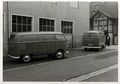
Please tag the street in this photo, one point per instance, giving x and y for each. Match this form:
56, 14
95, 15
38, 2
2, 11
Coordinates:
76, 64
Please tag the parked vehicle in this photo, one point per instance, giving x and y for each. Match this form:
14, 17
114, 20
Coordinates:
94, 39
24, 46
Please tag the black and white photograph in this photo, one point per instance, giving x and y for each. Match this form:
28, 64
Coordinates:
60, 41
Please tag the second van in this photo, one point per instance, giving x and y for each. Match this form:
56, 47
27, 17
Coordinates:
93, 39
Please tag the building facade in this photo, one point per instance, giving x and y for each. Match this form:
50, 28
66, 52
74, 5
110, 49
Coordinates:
104, 22
66, 17
104, 16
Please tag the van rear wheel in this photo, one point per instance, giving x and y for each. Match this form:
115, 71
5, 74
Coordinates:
26, 58
59, 54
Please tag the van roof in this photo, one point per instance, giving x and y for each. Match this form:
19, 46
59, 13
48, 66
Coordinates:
28, 33
92, 31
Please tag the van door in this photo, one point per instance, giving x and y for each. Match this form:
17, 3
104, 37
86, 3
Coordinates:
91, 39
33, 44
61, 42
48, 44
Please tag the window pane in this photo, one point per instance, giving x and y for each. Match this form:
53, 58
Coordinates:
24, 28
40, 28
40, 21
19, 19
29, 20
24, 20
14, 28
44, 21
44, 28
71, 31
29, 27
52, 22
19, 28
48, 28
52, 28
48, 22
14, 19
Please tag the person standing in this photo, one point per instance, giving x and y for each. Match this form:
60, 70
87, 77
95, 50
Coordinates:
107, 37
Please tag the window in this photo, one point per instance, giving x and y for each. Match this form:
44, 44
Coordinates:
21, 23
48, 37
74, 4
66, 27
54, 2
90, 35
46, 24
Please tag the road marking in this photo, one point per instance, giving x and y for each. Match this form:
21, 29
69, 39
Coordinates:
92, 74
59, 60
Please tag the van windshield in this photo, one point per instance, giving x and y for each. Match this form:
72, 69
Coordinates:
90, 35
60, 37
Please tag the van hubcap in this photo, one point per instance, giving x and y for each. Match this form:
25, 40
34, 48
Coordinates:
26, 58
59, 54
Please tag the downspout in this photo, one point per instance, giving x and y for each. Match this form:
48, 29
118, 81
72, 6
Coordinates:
7, 20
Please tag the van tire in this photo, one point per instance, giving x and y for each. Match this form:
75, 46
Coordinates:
25, 58
59, 54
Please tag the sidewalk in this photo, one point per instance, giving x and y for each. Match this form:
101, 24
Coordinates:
107, 47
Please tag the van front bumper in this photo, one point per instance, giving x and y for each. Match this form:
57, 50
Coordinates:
14, 57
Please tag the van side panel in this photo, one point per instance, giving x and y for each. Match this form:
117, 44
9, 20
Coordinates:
35, 44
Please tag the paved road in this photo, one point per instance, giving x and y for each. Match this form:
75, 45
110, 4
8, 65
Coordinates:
75, 65
10, 63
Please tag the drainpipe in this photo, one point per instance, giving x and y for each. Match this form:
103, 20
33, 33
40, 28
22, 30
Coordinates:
7, 27
7, 20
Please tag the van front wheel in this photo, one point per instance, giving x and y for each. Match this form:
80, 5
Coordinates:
26, 58
59, 54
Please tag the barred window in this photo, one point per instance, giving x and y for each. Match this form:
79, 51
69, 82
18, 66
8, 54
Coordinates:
66, 27
46, 24
74, 4
21, 23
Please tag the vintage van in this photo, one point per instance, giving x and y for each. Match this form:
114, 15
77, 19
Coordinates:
24, 46
93, 39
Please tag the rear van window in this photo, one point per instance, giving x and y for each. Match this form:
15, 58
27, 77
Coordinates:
90, 35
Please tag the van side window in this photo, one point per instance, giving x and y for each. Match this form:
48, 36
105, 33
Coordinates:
88, 35
28, 38
60, 37
48, 37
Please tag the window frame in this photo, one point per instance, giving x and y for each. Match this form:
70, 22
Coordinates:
74, 4
11, 25
52, 19
70, 29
